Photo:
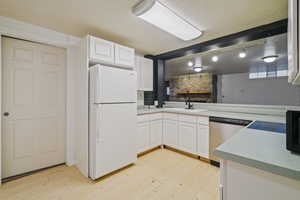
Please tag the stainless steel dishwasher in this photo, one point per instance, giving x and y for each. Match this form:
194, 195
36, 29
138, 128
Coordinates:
220, 130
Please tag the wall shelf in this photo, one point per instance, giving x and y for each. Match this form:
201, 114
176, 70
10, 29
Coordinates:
194, 93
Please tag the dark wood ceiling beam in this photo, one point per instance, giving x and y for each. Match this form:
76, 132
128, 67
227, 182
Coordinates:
256, 33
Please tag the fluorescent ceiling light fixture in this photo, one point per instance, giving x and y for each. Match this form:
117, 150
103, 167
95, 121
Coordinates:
270, 59
242, 54
156, 13
215, 58
190, 64
197, 69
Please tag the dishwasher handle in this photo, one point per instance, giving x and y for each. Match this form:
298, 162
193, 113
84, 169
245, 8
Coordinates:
240, 122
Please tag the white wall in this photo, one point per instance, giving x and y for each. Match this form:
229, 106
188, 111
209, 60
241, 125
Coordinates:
239, 89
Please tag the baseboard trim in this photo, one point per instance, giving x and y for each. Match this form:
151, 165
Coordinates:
12, 178
204, 159
148, 151
181, 152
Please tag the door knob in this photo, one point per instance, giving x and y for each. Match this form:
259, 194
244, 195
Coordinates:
6, 114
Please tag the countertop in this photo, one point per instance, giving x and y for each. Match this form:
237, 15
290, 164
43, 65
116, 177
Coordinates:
255, 148
263, 150
202, 112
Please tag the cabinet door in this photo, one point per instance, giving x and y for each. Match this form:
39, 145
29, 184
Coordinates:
143, 136
188, 137
171, 133
101, 51
292, 40
138, 70
147, 74
124, 56
203, 141
156, 130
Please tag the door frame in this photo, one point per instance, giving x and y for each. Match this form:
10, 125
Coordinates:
25, 31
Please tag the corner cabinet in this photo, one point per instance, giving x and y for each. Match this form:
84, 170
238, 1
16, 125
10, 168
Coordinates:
156, 132
106, 52
144, 69
170, 133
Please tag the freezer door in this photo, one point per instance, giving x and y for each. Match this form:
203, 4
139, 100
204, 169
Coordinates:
112, 85
113, 135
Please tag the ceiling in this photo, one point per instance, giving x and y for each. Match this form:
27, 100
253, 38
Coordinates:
229, 61
113, 20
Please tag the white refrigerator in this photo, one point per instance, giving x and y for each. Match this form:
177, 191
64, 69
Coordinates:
112, 120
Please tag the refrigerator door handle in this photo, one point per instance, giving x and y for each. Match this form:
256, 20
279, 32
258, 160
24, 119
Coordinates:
98, 137
98, 134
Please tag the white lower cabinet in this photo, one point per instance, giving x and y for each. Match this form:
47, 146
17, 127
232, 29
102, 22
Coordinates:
187, 133
143, 136
170, 133
188, 137
156, 133
203, 141
150, 131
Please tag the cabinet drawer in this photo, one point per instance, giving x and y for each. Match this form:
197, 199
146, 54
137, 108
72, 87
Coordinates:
188, 118
143, 118
203, 120
155, 116
171, 116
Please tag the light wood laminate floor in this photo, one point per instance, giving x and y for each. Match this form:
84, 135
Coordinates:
159, 175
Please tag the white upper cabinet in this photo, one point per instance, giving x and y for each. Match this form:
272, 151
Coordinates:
144, 69
137, 69
124, 56
101, 51
293, 42
147, 75
106, 52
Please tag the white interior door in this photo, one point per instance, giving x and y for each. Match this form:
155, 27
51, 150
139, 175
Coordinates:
34, 102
